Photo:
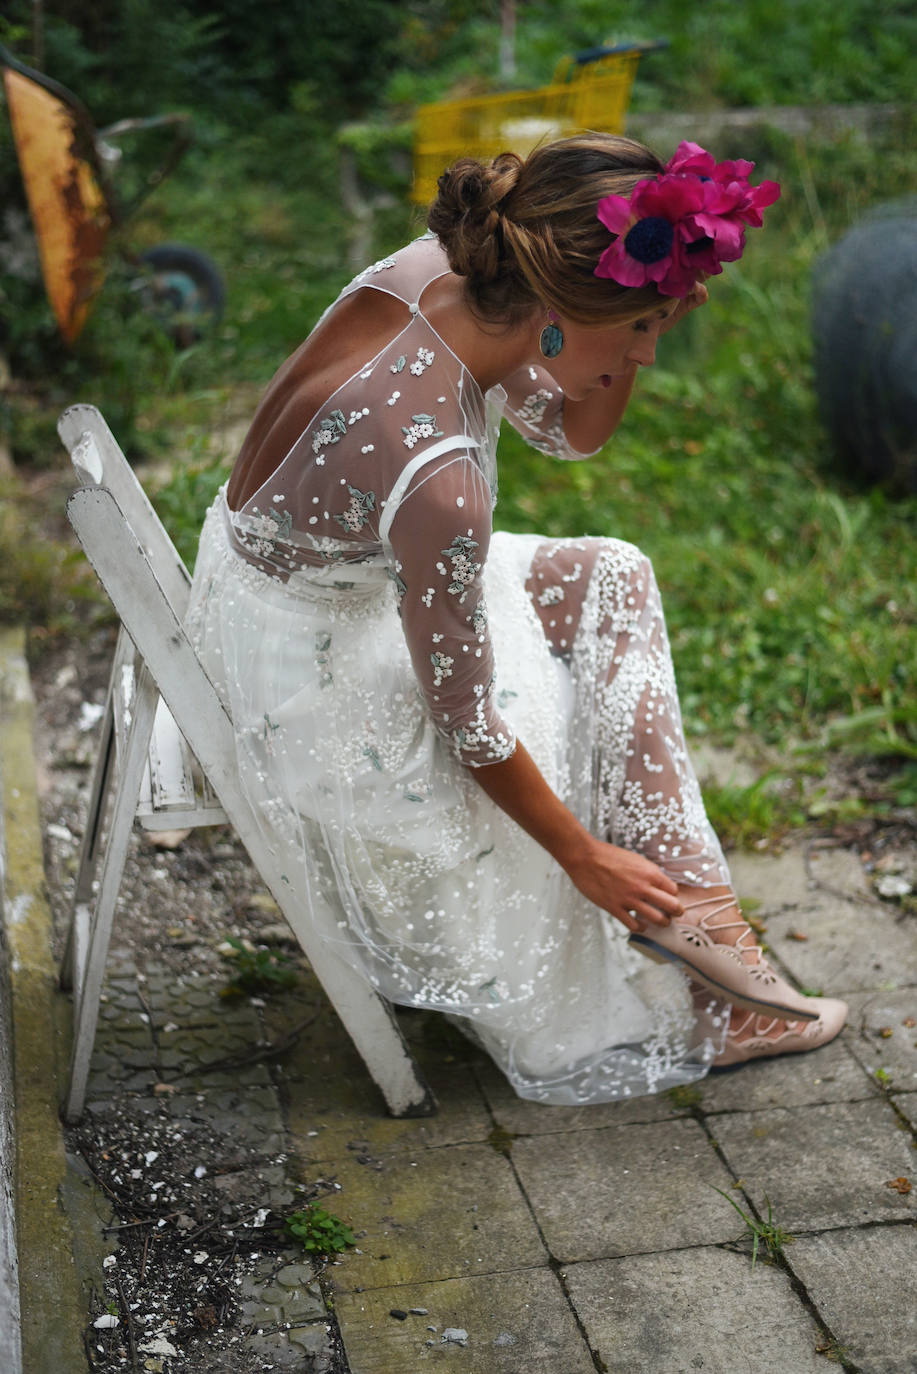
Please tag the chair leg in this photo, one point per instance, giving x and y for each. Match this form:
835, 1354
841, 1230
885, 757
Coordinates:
368, 1019
103, 777
91, 937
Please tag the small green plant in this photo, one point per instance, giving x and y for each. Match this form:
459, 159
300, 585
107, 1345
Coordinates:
685, 1096
257, 969
768, 1233
747, 816
318, 1231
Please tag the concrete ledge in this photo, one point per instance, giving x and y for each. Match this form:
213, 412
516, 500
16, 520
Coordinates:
52, 1308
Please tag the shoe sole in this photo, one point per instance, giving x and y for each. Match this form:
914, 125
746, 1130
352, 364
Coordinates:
655, 952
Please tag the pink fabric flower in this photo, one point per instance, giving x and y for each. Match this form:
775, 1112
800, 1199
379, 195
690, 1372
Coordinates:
683, 224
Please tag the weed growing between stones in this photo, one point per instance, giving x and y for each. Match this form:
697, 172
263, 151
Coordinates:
768, 1233
255, 968
318, 1231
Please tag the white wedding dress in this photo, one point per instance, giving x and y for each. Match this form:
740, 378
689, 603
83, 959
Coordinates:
374, 641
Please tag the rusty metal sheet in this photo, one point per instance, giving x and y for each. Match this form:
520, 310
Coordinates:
68, 208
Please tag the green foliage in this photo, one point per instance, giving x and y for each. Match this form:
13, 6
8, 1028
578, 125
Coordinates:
763, 810
256, 969
768, 1233
42, 581
791, 595
180, 503
318, 1231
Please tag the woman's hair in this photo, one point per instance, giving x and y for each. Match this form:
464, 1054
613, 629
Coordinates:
526, 231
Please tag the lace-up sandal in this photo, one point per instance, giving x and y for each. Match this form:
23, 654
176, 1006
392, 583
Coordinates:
736, 971
759, 1037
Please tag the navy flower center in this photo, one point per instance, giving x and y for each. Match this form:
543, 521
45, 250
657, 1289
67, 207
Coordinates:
650, 239
699, 245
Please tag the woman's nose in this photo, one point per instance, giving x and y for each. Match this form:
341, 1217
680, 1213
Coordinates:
643, 350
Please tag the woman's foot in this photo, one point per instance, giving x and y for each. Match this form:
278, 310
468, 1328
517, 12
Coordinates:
715, 945
758, 1037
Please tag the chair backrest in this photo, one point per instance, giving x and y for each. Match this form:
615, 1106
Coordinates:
99, 462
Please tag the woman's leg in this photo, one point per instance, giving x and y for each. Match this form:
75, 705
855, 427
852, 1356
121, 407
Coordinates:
600, 609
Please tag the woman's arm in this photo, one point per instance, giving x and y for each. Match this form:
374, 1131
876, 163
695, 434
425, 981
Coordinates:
590, 423
617, 880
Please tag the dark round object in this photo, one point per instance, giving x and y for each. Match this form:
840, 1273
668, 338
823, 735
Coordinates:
183, 288
864, 324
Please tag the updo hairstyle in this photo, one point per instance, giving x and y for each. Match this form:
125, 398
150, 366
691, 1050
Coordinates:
524, 233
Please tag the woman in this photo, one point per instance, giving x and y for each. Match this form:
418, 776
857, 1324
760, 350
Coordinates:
468, 744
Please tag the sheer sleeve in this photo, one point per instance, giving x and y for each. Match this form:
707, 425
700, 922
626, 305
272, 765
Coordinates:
439, 540
534, 405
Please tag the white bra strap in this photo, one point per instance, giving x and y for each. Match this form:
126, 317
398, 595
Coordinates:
406, 476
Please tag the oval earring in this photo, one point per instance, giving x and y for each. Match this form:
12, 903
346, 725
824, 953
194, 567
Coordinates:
552, 339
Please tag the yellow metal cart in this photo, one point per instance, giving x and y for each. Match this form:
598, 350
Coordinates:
589, 91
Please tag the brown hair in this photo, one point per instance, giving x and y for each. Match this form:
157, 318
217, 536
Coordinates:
526, 232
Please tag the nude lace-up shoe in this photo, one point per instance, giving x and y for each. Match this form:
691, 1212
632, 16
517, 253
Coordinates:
759, 1037
735, 970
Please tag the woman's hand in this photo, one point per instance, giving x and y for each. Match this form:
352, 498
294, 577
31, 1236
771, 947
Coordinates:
626, 885
698, 295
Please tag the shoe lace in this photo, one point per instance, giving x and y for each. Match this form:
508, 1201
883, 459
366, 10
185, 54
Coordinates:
751, 952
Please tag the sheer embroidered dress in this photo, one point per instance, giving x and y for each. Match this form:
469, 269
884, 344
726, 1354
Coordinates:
375, 640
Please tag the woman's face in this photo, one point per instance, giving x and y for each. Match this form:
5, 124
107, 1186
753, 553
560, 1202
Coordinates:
592, 358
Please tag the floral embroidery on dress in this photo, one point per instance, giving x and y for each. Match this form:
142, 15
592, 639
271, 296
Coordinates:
371, 753
478, 618
379, 266
464, 568
322, 645
401, 586
357, 513
533, 407
356, 415
551, 596
424, 427
476, 739
425, 357
427, 597
399, 365
329, 431
270, 730
442, 668
267, 529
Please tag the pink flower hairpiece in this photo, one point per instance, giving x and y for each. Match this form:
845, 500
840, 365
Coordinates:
683, 224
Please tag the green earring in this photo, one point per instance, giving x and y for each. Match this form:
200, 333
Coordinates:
552, 338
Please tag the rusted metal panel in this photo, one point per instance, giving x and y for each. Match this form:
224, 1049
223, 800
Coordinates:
68, 207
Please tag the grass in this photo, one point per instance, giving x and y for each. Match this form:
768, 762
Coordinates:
766, 1233
791, 594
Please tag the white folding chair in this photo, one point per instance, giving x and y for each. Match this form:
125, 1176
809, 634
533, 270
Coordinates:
167, 758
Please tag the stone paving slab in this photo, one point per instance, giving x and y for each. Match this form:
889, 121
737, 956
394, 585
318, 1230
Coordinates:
704, 1309
432, 1215
516, 1322
854, 943
332, 1104
830, 1074
625, 1190
864, 1283
827, 1166
882, 1039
